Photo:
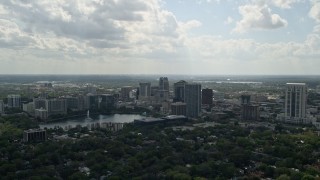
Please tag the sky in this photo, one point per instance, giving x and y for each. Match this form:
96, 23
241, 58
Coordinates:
217, 37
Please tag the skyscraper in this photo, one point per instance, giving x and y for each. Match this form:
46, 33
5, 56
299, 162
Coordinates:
207, 96
125, 93
39, 103
154, 90
249, 112
56, 106
163, 91
295, 102
107, 101
1, 107
144, 90
91, 101
192, 97
178, 108
72, 103
163, 83
245, 99
14, 101
179, 91
41, 113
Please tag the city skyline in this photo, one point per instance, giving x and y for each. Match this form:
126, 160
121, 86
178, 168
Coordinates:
276, 37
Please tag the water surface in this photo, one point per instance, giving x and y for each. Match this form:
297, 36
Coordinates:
117, 118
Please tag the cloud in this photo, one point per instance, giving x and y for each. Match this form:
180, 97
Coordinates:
229, 20
190, 25
72, 27
314, 12
74, 19
119, 36
11, 36
135, 26
258, 16
285, 4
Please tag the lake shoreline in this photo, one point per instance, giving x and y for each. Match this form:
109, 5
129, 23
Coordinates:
97, 118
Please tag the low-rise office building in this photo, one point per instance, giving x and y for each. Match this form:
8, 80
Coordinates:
34, 135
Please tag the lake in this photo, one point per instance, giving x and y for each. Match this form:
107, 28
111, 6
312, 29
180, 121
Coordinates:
116, 118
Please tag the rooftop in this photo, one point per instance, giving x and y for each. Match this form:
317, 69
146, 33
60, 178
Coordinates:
300, 84
178, 103
149, 119
172, 117
34, 130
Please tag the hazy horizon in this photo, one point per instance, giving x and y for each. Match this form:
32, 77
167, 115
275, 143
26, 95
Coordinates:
159, 74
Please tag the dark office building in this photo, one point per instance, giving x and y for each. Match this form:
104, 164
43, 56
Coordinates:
245, 99
107, 101
34, 135
144, 90
125, 93
250, 112
154, 90
179, 91
179, 108
39, 103
75, 103
163, 83
14, 101
56, 106
92, 101
207, 96
163, 91
192, 97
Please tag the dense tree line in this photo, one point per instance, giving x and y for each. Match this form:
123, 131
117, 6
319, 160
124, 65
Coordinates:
159, 152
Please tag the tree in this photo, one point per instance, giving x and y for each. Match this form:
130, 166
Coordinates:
308, 177
283, 177
78, 176
175, 175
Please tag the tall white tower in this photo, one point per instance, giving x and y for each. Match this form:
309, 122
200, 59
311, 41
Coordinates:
296, 101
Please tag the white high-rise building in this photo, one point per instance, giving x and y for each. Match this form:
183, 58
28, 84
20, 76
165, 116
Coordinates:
295, 103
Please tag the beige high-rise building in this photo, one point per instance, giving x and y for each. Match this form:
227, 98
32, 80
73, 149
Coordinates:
295, 103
